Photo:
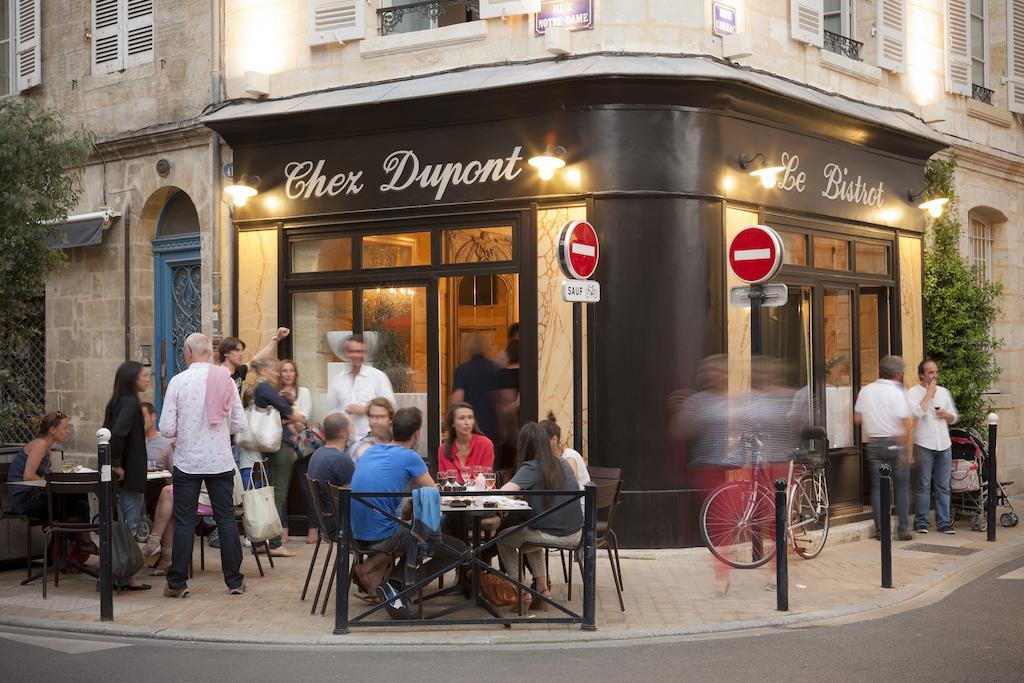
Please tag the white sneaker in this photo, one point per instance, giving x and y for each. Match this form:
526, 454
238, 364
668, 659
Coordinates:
245, 542
948, 530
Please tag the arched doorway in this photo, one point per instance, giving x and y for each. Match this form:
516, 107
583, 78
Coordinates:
177, 286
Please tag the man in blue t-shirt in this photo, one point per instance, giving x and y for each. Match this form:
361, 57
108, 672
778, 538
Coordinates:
331, 464
387, 468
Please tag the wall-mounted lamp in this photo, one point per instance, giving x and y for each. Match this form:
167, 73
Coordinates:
933, 205
548, 162
241, 191
765, 172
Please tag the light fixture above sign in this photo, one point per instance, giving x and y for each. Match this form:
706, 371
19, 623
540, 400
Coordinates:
933, 205
241, 191
548, 162
765, 172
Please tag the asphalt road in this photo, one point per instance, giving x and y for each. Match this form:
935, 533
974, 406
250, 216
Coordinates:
974, 634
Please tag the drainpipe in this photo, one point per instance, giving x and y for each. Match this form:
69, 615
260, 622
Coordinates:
216, 61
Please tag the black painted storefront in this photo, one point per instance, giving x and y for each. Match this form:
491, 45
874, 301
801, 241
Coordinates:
657, 162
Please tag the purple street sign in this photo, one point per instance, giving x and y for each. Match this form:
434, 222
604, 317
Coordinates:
575, 15
723, 19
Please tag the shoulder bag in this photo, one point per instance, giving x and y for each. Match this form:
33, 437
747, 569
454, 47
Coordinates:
964, 476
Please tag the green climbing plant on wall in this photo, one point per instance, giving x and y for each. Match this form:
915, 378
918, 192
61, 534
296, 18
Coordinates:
960, 306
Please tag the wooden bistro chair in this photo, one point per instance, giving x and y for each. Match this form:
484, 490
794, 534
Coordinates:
604, 475
65, 483
607, 501
29, 524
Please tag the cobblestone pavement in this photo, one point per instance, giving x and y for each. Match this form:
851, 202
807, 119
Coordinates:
667, 592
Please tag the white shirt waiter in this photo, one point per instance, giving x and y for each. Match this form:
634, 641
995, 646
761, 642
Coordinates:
355, 387
884, 409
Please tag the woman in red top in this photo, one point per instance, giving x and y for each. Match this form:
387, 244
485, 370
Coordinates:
465, 446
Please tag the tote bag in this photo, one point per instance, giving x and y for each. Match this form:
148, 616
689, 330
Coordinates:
125, 556
263, 430
259, 513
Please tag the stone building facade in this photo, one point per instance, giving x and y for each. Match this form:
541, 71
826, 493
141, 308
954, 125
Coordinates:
912, 56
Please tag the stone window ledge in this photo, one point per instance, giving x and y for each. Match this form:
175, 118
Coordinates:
850, 67
986, 112
380, 46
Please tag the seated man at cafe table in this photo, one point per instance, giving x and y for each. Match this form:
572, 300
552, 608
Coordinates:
331, 464
386, 468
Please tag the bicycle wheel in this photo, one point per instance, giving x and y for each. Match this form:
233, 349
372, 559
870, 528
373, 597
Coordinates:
737, 523
808, 515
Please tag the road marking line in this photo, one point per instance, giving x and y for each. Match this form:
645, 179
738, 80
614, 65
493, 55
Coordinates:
584, 249
1015, 574
65, 645
752, 254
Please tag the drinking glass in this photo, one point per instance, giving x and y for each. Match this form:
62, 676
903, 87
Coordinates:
67, 467
490, 479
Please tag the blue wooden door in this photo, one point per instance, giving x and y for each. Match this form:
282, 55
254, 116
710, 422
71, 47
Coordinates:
178, 309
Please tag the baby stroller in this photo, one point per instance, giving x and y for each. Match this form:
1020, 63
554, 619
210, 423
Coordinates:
969, 484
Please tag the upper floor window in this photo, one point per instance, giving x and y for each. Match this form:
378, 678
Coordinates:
402, 16
839, 26
979, 246
979, 51
122, 34
19, 46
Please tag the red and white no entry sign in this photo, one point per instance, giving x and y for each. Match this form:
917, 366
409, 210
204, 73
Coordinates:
755, 254
578, 250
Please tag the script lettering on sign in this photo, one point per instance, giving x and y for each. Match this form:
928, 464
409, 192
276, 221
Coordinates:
404, 169
304, 179
838, 184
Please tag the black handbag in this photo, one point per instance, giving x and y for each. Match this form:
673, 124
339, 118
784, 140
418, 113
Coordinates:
126, 558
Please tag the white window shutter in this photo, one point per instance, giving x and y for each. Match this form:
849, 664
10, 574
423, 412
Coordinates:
891, 24
331, 21
493, 9
807, 21
1015, 55
27, 45
958, 48
107, 50
139, 32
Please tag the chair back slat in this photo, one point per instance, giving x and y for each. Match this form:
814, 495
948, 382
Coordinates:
324, 516
604, 475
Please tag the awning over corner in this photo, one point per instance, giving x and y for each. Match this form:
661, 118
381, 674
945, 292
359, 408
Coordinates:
82, 230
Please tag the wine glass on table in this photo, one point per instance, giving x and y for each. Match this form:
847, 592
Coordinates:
490, 480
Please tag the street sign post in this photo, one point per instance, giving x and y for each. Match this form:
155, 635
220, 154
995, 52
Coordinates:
578, 254
755, 256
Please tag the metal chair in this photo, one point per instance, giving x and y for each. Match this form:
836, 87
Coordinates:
604, 475
68, 484
30, 523
325, 520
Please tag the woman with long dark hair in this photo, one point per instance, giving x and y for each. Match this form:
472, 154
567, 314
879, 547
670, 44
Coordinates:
465, 446
541, 470
123, 417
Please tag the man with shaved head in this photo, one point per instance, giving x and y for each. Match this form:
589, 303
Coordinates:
202, 409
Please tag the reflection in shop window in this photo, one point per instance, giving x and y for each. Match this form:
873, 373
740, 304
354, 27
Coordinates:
872, 258
396, 251
321, 321
478, 245
794, 248
838, 366
831, 254
320, 255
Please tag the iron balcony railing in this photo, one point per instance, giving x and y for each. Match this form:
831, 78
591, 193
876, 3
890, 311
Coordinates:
981, 93
841, 45
391, 17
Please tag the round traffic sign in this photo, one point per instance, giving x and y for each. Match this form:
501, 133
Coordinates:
755, 254
578, 250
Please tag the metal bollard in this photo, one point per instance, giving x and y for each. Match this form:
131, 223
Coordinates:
341, 563
885, 522
781, 549
105, 495
990, 472
589, 557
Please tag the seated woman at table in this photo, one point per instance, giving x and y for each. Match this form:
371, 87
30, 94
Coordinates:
465, 446
31, 464
541, 470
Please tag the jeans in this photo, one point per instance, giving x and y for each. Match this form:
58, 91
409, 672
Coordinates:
933, 466
133, 507
888, 452
186, 498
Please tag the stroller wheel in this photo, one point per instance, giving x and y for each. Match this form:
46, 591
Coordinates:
979, 523
1009, 519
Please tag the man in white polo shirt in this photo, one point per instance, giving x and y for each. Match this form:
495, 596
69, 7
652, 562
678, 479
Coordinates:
934, 409
884, 414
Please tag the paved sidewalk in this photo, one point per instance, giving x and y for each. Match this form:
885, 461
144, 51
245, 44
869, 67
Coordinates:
668, 592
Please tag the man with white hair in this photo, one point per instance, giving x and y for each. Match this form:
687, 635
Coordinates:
202, 409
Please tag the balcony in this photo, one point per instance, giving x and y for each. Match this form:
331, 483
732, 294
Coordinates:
981, 93
841, 45
420, 16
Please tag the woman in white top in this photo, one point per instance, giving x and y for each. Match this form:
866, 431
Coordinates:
290, 389
575, 460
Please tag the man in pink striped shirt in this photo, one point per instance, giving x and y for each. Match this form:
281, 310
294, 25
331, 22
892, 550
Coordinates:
203, 455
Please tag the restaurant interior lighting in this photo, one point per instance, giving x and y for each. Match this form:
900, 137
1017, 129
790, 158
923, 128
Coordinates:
548, 162
765, 172
241, 191
933, 205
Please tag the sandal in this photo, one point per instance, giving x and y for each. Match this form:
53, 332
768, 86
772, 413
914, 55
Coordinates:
538, 605
137, 587
279, 551
165, 563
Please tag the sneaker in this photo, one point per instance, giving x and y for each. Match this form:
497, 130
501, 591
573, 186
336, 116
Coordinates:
237, 590
948, 530
246, 542
920, 531
175, 592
